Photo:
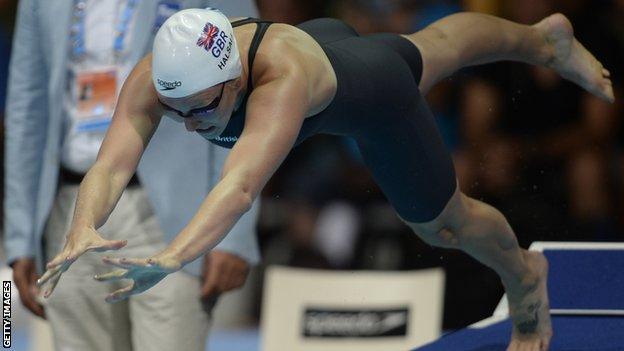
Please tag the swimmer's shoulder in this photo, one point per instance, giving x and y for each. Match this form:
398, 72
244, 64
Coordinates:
286, 47
286, 52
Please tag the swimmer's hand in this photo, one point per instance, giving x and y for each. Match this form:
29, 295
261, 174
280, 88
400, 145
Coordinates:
78, 241
145, 273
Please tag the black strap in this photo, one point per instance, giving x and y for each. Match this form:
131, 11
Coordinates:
261, 29
253, 48
244, 21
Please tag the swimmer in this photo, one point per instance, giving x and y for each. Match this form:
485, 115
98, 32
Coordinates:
261, 88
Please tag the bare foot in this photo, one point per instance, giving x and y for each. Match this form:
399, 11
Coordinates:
571, 60
529, 309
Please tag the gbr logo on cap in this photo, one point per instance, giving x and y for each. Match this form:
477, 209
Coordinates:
212, 39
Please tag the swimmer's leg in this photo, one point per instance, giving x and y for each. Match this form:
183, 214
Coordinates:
483, 232
467, 39
408, 159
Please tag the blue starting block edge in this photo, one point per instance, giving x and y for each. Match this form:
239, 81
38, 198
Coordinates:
586, 284
584, 278
597, 333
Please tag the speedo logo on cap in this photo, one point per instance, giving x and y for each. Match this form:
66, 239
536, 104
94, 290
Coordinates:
168, 85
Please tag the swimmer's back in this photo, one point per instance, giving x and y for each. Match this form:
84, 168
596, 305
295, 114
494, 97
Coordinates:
320, 47
370, 78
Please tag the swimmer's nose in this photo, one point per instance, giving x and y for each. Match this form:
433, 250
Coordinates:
190, 124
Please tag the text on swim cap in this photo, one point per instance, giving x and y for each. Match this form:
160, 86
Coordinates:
214, 40
168, 85
219, 45
226, 56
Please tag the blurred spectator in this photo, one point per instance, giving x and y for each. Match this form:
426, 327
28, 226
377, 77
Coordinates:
5, 52
291, 11
69, 61
7, 13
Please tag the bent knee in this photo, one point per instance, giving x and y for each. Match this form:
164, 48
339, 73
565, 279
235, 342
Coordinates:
447, 229
451, 214
441, 238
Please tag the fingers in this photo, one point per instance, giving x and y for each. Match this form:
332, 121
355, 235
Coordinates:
209, 303
234, 278
53, 276
36, 308
112, 276
221, 279
121, 294
223, 272
107, 245
77, 248
236, 283
211, 286
53, 281
128, 262
60, 259
212, 273
31, 303
48, 274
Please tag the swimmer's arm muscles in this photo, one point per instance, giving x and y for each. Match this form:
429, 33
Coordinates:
275, 113
127, 137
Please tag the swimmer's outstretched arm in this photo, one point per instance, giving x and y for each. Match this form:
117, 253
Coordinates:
274, 118
275, 113
129, 133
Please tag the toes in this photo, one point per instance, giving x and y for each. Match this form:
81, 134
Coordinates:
529, 345
608, 92
545, 344
604, 90
606, 73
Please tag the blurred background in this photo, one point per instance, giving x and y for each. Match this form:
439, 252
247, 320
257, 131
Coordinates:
545, 153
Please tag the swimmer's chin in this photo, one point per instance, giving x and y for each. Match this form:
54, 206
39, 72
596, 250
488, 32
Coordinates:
210, 132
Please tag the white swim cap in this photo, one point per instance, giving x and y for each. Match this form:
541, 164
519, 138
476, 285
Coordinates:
194, 49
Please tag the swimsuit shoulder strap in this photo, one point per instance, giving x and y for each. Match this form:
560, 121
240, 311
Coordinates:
247, 20
261, 29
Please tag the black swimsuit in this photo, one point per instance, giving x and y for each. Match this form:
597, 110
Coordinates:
377, 103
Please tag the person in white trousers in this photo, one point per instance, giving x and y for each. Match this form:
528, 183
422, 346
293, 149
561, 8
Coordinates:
69, 61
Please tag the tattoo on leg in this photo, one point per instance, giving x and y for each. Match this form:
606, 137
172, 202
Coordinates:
529, 326
534, 307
